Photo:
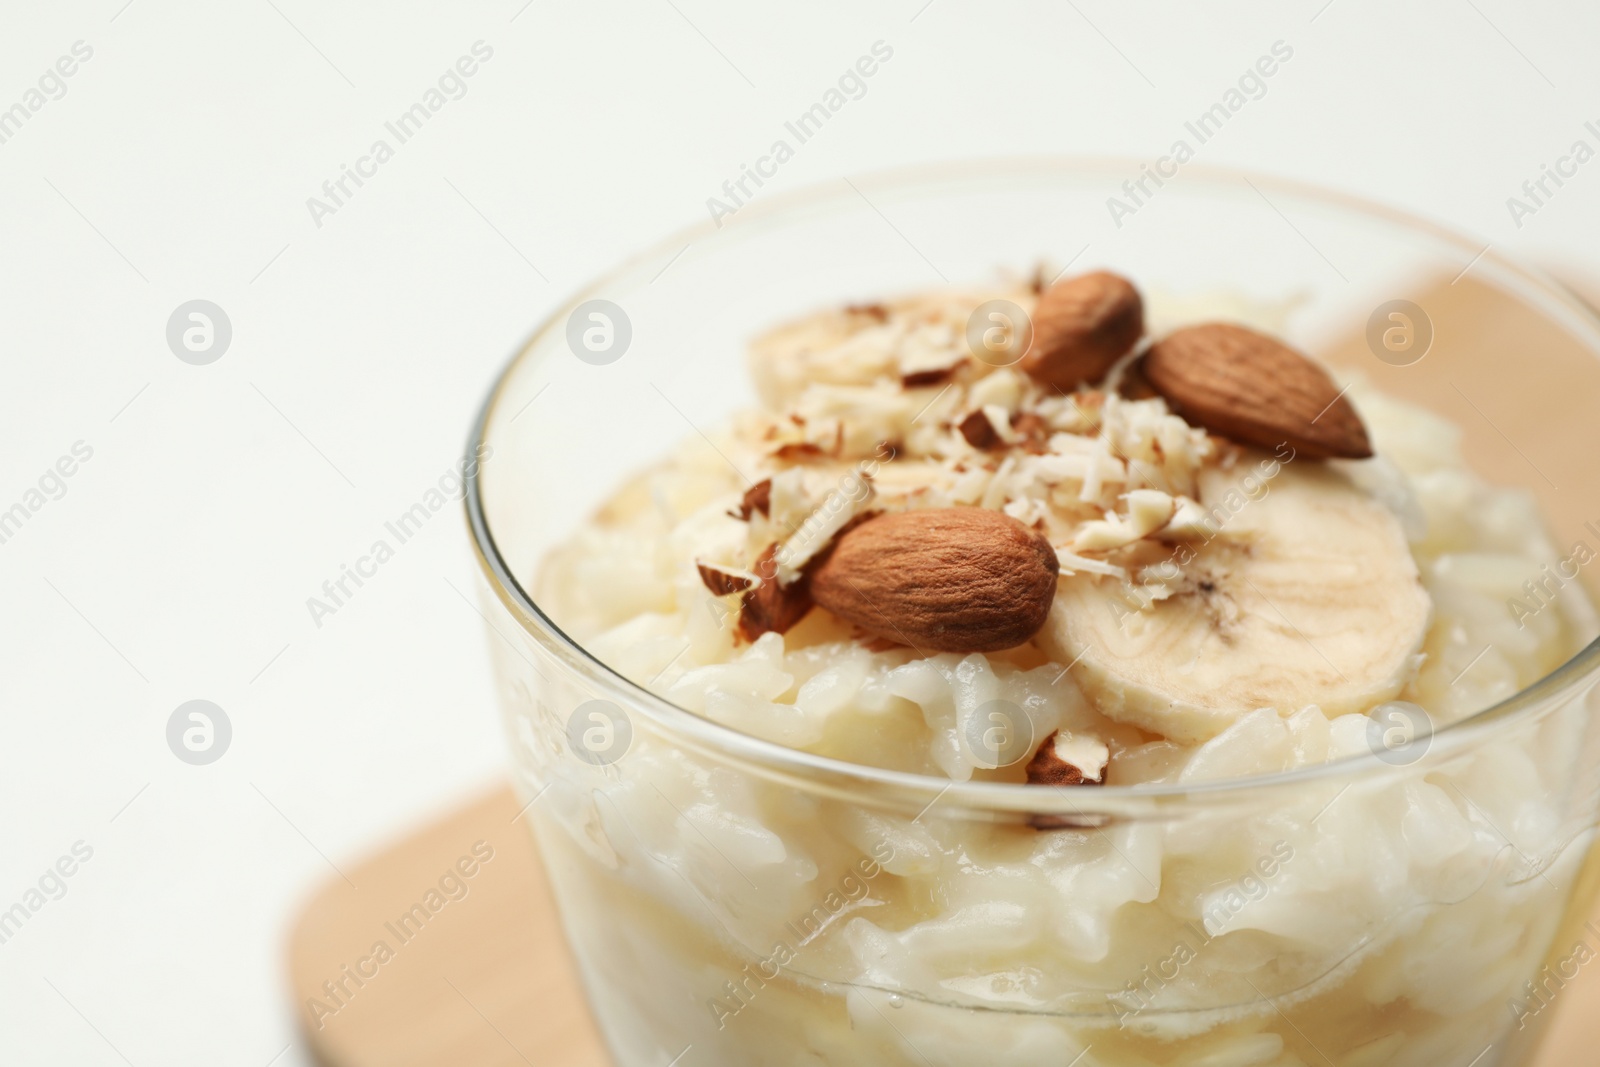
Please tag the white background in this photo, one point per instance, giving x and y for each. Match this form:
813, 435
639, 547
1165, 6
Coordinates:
178, 563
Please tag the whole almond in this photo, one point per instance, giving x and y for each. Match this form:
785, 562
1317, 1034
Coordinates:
1081, 326
1252, 389
941, 579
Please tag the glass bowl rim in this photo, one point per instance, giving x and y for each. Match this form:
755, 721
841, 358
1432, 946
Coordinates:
804, 768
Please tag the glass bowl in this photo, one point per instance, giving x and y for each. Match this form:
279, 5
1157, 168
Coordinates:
732, 901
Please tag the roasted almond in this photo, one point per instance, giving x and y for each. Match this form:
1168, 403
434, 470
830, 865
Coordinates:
770, 606
1030, 432
756, 498
941, 579
923, 377
1033, 433
1081, 326
798, 451
724, 581
979, 431
1133, 385
1068, 759
1252, 389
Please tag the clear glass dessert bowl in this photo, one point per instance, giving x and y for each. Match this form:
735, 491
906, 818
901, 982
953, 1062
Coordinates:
1414, 894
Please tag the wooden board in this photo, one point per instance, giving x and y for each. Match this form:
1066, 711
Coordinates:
484, 982
1523, 391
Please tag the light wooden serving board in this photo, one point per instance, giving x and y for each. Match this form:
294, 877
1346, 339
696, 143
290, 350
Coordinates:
487, 981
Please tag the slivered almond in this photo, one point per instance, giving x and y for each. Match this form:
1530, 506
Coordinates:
1252, 389
1033, 433
756, 498
1081, 326
770, 606
1069, 759
872, 311
798, 451
1027, 431
941, 579
923, 377
724, 581
979, 431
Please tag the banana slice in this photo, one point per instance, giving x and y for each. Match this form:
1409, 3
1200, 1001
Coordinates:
867, 343
817, 348
1305, 595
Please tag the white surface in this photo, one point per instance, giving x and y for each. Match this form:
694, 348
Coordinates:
188, 545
